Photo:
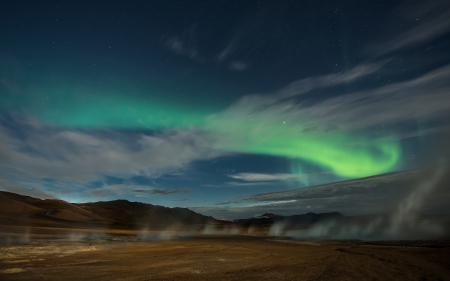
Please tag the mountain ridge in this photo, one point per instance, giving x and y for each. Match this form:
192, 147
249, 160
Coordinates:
308, 218
22, 209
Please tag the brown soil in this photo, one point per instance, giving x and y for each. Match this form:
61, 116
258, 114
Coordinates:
119, 255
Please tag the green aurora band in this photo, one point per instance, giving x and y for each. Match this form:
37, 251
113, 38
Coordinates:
345, 154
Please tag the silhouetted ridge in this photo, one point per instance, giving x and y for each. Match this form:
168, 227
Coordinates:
117, 212
270, 215
308, 218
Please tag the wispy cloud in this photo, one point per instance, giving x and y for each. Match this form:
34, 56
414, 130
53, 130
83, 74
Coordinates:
119, 189
228, 50
272, 203
182, 199
427, 20
34, 152
26, 186
181, 48
375, 194
232, 54
238, 65
227, 54
170, 191
184, 45
263, 177
425, 96
371, 195
251, 34
236, 183
320, 82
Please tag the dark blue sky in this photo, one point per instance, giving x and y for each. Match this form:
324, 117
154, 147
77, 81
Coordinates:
205, 103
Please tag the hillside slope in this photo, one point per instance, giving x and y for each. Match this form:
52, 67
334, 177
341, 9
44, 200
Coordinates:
17, 209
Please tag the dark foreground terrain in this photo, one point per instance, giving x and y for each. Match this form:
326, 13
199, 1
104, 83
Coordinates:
55, 254
120, 240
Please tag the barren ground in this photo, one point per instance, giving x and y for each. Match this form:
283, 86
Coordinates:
119, 255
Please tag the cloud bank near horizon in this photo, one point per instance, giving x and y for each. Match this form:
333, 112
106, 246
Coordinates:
366, 196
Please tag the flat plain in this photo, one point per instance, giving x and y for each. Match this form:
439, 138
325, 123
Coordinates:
58, 254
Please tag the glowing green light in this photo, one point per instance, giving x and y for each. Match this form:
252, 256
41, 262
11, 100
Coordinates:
117, 111
344, 153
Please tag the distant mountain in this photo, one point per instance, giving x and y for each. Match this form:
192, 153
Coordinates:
125, 212
270, 215
305, 219
17, 209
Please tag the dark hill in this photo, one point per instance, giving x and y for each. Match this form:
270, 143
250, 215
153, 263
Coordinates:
17, 209
305, 219
125, 212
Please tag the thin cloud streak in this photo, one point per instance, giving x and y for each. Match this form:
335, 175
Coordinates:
365, 196
179, 47
119, 189
425, 96
238, 65
235, 183
263, 177
309, 84
429, 20
185, 45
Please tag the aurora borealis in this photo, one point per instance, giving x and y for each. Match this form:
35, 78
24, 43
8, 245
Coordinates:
254, 133
181, 97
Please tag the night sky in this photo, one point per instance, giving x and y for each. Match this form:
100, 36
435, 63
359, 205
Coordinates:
211, 104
